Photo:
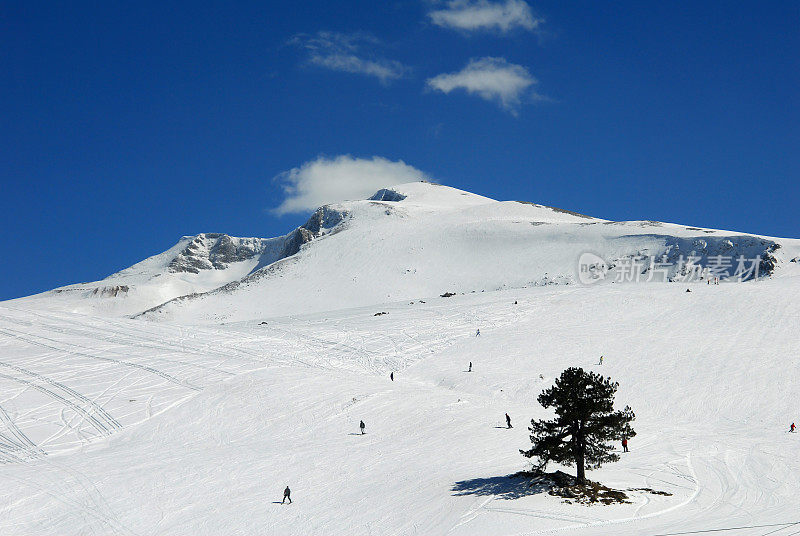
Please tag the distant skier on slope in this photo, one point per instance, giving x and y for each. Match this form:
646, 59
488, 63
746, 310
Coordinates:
470, 367
792, 427
625, 445
508, 421
601, 360
287, 495
362, 426
391, 376
478, 333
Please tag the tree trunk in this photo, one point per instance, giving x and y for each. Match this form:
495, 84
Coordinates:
581, 479
580, 451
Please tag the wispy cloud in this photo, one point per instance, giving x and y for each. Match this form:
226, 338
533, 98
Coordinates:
492, 79
471, 15
350, 53
330, 180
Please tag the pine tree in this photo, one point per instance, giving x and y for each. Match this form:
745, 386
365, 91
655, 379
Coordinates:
585, 421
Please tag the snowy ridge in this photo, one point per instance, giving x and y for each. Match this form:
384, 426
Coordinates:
196, 264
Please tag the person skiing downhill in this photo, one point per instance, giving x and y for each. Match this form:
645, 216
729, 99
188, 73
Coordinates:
391, 376
470, 367
508, 421
478, 333
601, 360
287, 495
792, 427
362, 426
625, 445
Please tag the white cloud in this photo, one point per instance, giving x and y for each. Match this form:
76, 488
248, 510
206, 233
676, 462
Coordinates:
346, 52
470, 15
492, 79
330, 180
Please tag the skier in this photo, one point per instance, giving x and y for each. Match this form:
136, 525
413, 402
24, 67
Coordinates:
362, 425
508, 421
601, 360
287, 495
625, 445
792, 427
470, 367
478, 333
391, 376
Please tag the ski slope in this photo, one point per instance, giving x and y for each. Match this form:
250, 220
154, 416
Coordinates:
128, 426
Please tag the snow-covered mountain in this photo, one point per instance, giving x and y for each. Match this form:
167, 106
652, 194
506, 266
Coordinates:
411, 241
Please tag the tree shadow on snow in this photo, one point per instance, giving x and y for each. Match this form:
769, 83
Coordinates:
507, 487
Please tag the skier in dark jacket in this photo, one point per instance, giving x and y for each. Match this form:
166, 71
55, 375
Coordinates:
391, 376
792, 427
508, 421
287, 495
362, 426
624, 445
470, 367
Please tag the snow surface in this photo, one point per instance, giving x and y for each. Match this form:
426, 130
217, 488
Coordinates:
164, 429
115, 425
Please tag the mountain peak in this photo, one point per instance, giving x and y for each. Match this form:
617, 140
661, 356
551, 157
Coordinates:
426, 193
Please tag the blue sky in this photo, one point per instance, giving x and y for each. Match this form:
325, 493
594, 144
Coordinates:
125, 127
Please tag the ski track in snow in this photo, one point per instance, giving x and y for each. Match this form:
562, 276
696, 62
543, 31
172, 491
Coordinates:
118, 426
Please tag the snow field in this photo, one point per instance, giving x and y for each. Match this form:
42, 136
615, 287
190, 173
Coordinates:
225, 416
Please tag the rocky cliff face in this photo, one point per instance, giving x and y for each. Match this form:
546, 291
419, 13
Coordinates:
321, 222
209, 251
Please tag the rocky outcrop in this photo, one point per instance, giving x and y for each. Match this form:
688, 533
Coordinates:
209, 251
726, 256
385, 194
110, 292
322, 222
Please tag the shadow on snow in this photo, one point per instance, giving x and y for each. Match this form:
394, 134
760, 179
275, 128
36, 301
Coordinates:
506, 487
